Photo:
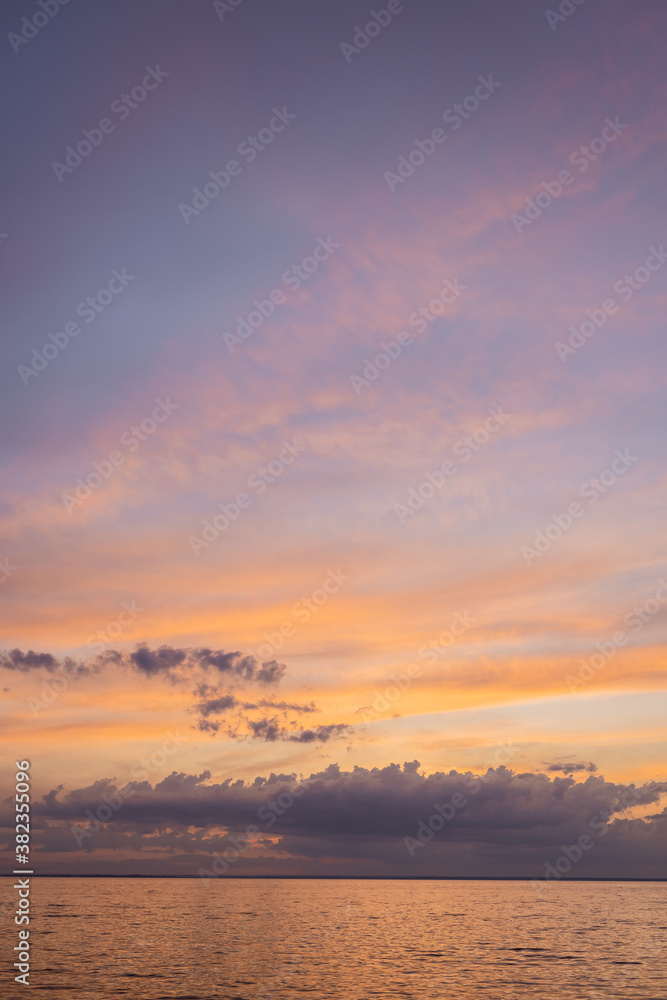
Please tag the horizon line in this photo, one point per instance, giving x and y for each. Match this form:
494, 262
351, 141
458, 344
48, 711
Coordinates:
368, 878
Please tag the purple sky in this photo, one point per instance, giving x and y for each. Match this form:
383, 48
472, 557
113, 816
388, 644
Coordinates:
380, 410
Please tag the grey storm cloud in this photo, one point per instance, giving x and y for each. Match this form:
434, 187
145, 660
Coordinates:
511, 823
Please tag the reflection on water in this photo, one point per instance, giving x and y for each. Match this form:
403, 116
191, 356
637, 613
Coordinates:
246, 939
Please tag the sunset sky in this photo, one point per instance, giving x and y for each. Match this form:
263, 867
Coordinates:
233, 545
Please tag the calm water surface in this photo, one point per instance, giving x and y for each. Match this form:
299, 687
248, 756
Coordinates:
244, 939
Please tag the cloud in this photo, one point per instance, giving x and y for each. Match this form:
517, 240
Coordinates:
270, 730
165, 660
215, 705
286, 706
16, 660
206, 726
510, 823
183, 665
265, 729
591, 768
320, 733
162, 660
271, 672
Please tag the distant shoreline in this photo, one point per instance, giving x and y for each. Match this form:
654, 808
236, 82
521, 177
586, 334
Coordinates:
362, 878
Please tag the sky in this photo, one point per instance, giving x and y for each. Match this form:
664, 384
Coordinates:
333, 387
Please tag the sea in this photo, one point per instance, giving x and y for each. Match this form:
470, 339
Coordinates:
241, 939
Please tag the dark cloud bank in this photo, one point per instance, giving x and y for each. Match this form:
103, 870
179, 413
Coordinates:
388, 821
